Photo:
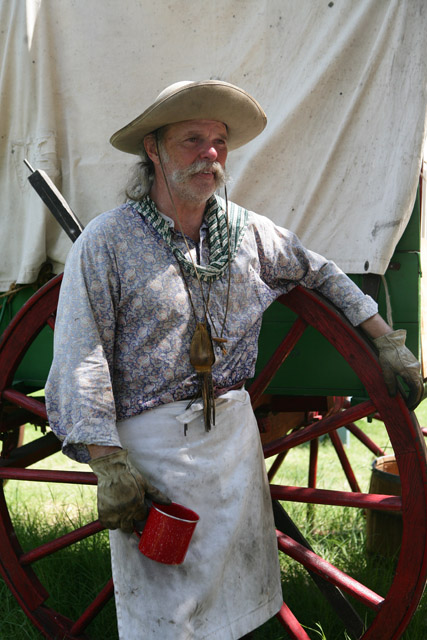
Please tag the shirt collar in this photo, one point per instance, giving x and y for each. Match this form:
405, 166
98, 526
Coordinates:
204, 224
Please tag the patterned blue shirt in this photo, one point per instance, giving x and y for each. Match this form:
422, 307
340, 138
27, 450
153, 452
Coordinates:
124, 320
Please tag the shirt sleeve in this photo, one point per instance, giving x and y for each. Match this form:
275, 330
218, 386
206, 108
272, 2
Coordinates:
79, 395
286, 263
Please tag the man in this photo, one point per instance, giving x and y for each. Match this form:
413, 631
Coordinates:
161, 303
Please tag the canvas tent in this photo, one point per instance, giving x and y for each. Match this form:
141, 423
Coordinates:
343, 84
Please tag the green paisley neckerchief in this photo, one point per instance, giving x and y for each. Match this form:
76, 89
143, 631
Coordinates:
215, 215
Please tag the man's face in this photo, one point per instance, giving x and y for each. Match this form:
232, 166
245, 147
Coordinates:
193, 153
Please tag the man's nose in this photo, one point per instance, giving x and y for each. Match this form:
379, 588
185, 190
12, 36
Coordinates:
209, 153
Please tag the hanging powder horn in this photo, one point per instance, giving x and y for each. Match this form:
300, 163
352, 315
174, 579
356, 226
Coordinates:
202, 358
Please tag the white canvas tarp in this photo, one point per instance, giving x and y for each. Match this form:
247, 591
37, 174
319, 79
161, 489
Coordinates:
343, 84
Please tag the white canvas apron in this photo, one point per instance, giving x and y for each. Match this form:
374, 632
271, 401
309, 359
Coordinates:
229, 583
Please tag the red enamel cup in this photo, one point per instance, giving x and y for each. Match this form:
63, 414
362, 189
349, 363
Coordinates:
167, 533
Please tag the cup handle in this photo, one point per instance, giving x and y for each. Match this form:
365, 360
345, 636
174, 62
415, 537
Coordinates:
138, 527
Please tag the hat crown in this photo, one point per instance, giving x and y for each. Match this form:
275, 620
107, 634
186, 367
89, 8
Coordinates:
172, 88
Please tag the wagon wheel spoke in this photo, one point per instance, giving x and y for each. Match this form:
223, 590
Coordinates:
319, 428
93, 609
362, 437
331, 592
62, 542
31, 452
312, 466
19, 399
53, 622
51, 321
277, 463
47, 475
340, 579
379, 502
291, 624
345, 463
264, 378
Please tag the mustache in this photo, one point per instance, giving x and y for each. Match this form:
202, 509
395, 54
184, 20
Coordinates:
220, 174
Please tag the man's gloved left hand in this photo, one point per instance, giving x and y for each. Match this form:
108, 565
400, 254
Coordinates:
396, 359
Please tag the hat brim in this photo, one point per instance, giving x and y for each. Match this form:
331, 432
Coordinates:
209, 100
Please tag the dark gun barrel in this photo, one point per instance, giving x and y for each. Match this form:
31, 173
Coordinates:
55, 202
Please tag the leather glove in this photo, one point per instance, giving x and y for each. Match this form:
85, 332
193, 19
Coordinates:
396, 359
121, 491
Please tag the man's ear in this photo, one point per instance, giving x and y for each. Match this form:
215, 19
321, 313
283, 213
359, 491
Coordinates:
150, 146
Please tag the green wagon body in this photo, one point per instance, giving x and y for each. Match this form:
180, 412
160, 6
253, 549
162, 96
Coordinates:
315, 368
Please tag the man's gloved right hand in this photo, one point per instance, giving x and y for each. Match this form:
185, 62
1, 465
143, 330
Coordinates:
121, 491
396, 359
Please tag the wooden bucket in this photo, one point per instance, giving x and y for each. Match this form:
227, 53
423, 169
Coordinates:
384, 530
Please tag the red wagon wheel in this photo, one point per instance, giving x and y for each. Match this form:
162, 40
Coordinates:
391, 611
16, 407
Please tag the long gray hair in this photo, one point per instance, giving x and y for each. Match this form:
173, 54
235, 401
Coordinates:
142, 175
140, 179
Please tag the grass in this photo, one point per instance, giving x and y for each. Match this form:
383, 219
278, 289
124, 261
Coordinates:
73, 576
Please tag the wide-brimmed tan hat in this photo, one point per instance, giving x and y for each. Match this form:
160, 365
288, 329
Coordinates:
207, 100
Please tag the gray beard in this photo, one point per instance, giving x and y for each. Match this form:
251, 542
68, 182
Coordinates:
220, 175
180, 179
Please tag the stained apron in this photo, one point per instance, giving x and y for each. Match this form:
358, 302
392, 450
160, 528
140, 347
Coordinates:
229, 583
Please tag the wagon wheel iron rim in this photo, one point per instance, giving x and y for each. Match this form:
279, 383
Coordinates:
408, 443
